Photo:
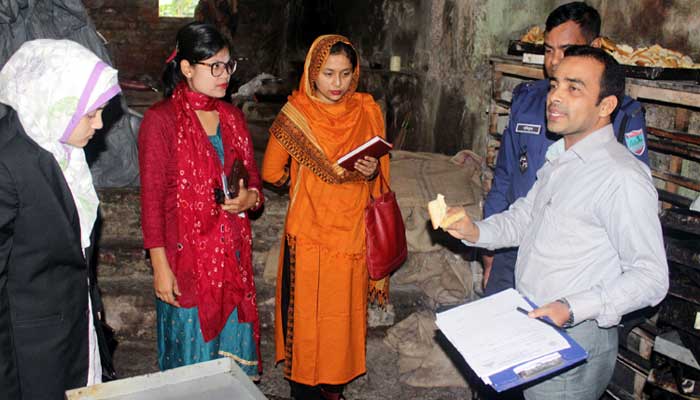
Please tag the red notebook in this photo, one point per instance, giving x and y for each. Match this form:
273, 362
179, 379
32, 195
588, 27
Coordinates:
375, 147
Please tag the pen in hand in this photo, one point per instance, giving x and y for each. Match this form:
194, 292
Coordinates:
544, 320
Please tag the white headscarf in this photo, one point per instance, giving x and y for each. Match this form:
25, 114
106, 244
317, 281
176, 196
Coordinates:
52, 84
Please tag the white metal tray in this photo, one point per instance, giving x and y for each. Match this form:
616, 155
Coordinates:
216, 379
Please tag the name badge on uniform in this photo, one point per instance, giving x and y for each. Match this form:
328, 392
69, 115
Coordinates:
530, 129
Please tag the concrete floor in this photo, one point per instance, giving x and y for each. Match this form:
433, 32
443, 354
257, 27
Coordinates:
136, 357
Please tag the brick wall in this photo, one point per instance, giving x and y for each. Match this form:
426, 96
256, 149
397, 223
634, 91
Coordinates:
140, 41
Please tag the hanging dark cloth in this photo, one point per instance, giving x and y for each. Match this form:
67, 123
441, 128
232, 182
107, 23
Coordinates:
114, 163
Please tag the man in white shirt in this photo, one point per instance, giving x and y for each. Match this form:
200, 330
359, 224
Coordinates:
591, 247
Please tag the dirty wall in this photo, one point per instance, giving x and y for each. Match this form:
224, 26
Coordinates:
446, 44
438, 101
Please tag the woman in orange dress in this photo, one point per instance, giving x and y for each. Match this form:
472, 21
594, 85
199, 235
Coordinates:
322, 282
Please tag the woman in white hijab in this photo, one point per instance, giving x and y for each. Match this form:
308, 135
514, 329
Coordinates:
48, 206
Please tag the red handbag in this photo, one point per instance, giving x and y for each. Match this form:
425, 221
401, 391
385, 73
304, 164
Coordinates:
385, 234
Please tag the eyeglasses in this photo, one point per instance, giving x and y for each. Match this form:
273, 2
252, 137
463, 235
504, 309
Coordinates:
218, 68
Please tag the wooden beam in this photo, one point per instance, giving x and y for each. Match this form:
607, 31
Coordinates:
674, 135
668, 147
682, 119
664, 95
503, 106
497, 76
675, 199
519, 70
677, 180
493, 116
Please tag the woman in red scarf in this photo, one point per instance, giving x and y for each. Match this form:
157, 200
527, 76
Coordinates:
200, 250
322, 284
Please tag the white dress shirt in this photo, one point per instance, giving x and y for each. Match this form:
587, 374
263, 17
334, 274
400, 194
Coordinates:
588, 231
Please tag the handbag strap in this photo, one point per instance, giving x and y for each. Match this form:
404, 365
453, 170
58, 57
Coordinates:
382, 180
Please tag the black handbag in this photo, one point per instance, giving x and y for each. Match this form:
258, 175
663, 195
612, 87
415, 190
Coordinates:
107, 342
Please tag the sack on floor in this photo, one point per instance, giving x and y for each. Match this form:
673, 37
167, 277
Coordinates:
422, 362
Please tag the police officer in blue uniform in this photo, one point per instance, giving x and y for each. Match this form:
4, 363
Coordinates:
525, 139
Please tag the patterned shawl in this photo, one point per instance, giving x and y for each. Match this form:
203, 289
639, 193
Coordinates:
206, 267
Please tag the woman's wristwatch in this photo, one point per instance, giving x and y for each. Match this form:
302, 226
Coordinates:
569, 322
374, 175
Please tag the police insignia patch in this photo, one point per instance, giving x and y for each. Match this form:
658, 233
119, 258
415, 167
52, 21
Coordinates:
522, 162
635, 142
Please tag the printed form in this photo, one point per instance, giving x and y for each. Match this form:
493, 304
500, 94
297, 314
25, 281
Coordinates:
493, 336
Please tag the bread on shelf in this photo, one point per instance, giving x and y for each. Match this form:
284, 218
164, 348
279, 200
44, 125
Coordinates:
652, 56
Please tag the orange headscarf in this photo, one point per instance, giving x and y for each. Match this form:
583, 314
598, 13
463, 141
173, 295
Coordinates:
316, 133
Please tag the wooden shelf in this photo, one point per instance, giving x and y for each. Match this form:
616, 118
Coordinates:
678, 144
673, 92
532, 72
672, 96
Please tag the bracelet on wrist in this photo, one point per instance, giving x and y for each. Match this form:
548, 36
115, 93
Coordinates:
257, 198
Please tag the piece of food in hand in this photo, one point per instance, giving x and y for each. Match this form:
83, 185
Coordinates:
438, 213
451, 219
437, 209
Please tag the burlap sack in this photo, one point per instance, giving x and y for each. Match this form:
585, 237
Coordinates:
422, 362
418, 177
445, 277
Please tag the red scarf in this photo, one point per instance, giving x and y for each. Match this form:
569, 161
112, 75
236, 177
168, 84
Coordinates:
208, 273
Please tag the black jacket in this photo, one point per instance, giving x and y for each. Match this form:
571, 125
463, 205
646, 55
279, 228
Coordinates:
43, 274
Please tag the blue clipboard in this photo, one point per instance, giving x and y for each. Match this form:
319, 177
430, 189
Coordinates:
542, 366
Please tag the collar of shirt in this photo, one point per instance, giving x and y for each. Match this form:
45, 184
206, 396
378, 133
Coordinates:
583, 149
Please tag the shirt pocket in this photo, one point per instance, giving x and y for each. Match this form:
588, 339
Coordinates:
564, 220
